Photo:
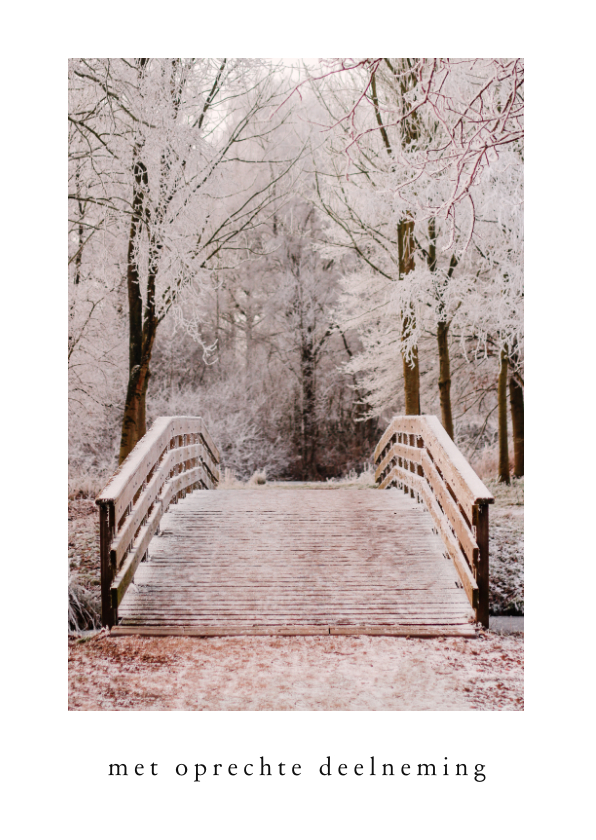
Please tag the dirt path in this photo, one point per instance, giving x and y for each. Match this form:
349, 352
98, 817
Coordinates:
296, 674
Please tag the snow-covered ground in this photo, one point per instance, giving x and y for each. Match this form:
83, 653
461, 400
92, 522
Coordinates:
506, 549
318, 673
306, 673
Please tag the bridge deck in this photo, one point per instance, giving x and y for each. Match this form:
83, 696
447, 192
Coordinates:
296, 561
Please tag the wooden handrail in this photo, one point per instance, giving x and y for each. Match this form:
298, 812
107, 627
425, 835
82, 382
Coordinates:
417, 454
175, 457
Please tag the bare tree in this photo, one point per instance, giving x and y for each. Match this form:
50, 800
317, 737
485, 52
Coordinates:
165, 132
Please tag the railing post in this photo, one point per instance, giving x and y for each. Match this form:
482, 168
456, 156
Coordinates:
106, 530
482, 568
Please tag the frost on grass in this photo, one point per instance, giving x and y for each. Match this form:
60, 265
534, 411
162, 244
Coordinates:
83, 566
258, 478
353, 480
83, 606
229, 481
506, 548
506, 495
506, 553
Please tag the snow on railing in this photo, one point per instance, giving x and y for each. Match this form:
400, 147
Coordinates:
416, 454
175, 457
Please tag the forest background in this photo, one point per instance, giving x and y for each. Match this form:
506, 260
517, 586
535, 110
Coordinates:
297, 252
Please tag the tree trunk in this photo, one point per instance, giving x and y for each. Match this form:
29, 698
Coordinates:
136, 376
142, 326
309, 429
81, 233
516, 403
445, 377
503, 437
133, 423
249, 339
411, 368
405, 245
412, 383
442, 331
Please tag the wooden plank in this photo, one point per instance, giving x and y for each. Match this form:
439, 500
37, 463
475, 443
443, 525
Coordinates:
106, 519
182, 630
196, 425
124, 577
181, 482
293, 592
172, 458
460, 562
416, 631
273, 623
399, 450
482, 569
468, 488
213, 450
297, 614
405, 476
459, 524
133, 521
409, 424
132, 472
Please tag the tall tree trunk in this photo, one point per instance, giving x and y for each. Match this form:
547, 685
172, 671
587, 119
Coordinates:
133, 423
412, 383
81, 233
516, 403
445, 377
249, 339
411, 368
309, 429
142, 325
136, 375
442, 332
217, 344
503, 437
405, 244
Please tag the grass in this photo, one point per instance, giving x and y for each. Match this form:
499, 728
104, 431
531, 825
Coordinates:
506, 548
83, 606
354, 480
506, 494
86, 485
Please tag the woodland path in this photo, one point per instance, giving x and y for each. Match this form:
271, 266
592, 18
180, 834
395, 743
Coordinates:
296, 561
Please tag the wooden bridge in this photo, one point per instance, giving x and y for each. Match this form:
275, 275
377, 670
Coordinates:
293, 560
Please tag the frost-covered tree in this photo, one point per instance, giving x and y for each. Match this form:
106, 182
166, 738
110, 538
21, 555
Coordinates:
405, 159
159, 136
286, 301
476, 106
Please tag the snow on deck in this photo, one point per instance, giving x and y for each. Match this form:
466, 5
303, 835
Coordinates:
297, 561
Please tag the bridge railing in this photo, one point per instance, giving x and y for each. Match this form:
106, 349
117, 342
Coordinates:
175, 457
416, 454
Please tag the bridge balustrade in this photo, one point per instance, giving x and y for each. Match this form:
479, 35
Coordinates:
175, 457
416, 454
178, 456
